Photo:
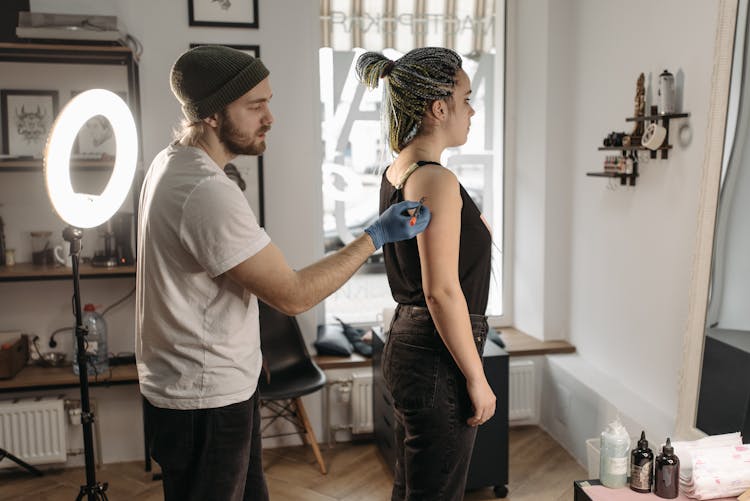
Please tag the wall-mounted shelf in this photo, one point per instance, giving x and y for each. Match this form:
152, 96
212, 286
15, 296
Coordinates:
621, 175
631, 151
632, 148
26, 272
36, 165
653, 118
624, 177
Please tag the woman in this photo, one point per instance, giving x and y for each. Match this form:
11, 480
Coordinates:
432, 360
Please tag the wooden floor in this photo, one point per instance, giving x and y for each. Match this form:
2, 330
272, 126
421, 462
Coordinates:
540, 470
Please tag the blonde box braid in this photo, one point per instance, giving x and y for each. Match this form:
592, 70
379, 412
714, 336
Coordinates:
412, 83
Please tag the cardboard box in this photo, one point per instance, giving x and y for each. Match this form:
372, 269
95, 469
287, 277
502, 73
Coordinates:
14, 354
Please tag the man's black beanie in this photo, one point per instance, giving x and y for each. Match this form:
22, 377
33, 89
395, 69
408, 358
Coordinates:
209, 77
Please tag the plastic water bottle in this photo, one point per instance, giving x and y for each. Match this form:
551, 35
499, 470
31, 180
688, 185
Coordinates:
95, 342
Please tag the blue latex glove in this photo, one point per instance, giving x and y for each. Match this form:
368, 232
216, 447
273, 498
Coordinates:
394, 225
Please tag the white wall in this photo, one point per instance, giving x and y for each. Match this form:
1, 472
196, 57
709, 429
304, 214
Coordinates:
288, 39
628, 251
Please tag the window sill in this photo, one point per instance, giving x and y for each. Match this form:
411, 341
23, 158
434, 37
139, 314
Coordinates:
520, 344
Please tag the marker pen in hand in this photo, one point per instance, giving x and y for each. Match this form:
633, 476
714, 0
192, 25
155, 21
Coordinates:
413, 219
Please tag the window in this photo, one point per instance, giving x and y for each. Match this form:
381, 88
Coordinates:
354, 157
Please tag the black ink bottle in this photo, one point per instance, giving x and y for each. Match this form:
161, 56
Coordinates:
667, 473
642, 466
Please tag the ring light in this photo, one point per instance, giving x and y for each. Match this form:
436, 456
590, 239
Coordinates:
84, 210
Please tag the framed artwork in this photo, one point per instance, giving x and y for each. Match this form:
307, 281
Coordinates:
253, 50
96, 138
27, 117
229, 13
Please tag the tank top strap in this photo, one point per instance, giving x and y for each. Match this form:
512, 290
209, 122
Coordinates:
410, 171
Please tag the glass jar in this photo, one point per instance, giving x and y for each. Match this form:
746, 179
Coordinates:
41, 248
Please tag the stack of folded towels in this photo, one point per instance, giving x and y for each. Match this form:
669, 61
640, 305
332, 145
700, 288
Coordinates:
714, 467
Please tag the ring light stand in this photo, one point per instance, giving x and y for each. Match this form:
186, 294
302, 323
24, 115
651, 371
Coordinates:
82, 210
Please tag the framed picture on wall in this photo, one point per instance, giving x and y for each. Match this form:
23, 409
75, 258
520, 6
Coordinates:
229, 13
96, 139
27, 117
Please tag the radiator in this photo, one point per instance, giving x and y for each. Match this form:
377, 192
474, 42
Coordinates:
522, 388
361, 403
33, 430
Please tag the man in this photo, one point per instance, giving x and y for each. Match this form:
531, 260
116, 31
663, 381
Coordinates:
202, 263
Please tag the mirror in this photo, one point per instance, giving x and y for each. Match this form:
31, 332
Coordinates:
715, 390
724, 392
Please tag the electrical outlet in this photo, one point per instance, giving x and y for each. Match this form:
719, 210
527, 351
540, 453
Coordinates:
75, 416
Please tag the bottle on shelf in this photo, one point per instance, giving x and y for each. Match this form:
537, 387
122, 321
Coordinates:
642, 466
95, 341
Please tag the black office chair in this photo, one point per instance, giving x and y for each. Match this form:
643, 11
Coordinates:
290, 373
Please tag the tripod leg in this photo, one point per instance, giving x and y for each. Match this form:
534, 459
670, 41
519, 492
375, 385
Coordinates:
20, 462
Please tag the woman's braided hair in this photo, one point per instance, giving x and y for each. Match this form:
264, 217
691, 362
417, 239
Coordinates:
411, 84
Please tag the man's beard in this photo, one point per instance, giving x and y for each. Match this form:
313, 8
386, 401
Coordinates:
236, 142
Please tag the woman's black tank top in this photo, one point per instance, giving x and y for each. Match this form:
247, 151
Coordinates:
402, 263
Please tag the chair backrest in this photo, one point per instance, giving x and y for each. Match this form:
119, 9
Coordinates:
281, 340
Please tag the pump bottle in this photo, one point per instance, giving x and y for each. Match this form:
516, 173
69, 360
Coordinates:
642, 466
667, 473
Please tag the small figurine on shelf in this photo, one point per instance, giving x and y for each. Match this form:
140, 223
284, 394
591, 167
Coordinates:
640, 108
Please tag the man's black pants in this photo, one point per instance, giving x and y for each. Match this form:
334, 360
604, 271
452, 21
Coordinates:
209, 454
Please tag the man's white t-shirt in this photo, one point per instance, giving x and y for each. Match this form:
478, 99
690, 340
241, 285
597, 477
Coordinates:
197, 338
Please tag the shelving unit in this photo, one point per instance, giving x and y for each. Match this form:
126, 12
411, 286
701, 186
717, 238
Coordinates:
118, 66
631, 151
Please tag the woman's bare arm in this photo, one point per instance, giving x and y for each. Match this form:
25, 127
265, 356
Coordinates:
438, 252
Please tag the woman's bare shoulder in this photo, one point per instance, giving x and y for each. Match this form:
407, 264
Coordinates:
432, 181
432, 174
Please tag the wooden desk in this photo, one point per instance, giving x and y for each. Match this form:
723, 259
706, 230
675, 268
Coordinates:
33, 377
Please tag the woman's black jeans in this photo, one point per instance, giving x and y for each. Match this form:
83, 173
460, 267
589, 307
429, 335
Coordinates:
432, 440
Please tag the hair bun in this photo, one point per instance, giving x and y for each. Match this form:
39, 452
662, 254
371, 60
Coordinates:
387, 69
